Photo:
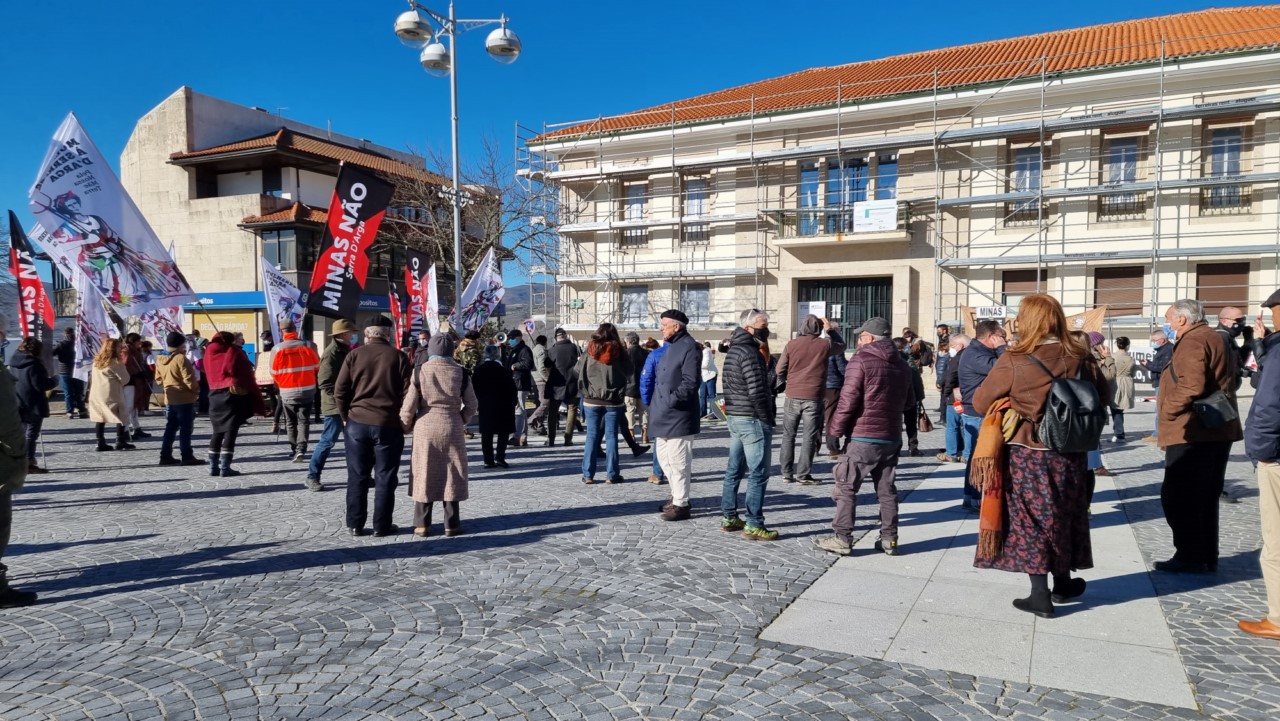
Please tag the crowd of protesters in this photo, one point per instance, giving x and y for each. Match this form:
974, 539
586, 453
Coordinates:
1024, 412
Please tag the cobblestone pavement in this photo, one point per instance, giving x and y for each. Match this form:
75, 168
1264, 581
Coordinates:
166, 593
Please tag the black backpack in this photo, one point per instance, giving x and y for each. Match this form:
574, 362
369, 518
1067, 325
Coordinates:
1073, 414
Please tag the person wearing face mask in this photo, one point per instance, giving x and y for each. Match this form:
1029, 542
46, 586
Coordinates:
751, 414
1262, 442
343, 333
1196, 454
519, 359
979, 357
1231, 325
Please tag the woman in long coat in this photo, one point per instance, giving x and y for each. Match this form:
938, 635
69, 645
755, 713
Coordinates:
1045, 495
33, 386
106, 393
234, 396
1124, 388
437, 408
496, 392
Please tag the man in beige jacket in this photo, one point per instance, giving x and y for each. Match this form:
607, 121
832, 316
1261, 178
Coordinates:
177, 376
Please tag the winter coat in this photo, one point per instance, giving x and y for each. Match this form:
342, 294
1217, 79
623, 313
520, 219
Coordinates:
709, 371
520, 362
1027, 385
940, 365
177, 377
13, 449
1202, 365
539, 363
1107, 366
1262, 434
877, 389
803, 366
437, 407
469, 354
64, 352
649, 373
974, 365
745, 382
638, 355
951, 378
836, 362
32, 383
1159, 361
106, 394
673, 413
1124, 380
372, 384
603, 374
562, 362
327, 376
496, 397
228, 365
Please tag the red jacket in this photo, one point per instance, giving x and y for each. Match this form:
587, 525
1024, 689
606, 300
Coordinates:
227, 365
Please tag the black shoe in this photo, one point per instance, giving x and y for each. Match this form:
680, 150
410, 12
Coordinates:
314, 484
616, 479
639, 450
808, 480
391, 530
487, 464
1074, 588
125, 446
13, 598
504, 464
356, 531
140, 434
170, 461
1175, 565
102, 446
1042, 607
190, 461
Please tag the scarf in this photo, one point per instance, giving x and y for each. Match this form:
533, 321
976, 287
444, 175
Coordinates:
987, 475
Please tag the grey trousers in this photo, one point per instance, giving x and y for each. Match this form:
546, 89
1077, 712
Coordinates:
804, 416
861, 462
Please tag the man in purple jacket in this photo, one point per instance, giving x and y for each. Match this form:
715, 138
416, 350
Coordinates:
878, 386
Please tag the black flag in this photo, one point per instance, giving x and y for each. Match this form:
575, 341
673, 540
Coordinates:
342, 265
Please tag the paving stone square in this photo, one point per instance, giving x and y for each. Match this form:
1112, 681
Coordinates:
167, 593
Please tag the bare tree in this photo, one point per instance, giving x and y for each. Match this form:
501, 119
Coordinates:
500, 213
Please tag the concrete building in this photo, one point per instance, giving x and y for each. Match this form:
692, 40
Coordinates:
1124, 165
228, 184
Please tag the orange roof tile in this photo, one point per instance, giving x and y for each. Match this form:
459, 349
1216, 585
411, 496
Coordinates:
296, 213
286, 139
1205, 32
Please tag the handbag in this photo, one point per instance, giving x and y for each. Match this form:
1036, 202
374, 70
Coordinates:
923, 424
1214, 410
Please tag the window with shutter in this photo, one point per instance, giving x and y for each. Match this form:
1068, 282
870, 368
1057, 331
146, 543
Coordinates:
1019, 283
1222, 284
1120, 289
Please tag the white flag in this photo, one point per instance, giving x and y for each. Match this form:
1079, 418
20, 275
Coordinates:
482, 295
92, 323
432, 311
88, 221
284, 300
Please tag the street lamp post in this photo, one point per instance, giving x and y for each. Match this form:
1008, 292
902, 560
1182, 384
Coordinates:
502, 44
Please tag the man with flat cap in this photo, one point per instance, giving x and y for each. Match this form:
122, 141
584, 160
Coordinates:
343, 336
673, 412
1262, 443
369, 392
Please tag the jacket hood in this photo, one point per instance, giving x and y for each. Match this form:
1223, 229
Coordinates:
22, 361
881, 349
812, 325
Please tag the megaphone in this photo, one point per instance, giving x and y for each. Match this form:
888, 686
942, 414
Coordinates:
499, 338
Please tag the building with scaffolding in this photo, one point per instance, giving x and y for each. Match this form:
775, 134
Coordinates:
1124, 165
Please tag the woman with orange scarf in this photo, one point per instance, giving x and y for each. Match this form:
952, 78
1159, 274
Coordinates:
1035, 501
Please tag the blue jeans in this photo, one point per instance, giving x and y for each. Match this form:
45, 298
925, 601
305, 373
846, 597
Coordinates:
706, 396
180, 418
956, 445
971, 426
373, 452
328, 437
73, 393
601, 421
750, 441
657, 467
1094, 460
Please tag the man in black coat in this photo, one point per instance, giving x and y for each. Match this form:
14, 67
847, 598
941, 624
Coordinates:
750, 410
1159, 361
562, 385
637, 412
520, 361
64, 353
673, 412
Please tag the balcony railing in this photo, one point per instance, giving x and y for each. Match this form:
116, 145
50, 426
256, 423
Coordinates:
1123, 206
1226, 200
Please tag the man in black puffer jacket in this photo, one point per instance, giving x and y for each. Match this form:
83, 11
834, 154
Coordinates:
749, 406
878, 387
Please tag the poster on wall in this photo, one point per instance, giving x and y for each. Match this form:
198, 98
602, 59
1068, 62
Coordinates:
814, 307
342, 266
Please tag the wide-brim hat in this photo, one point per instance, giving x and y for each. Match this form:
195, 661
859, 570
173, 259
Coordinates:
342, 326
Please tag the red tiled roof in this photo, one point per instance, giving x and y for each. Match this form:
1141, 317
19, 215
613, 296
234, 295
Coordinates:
286, 139
296, 213
1205, 32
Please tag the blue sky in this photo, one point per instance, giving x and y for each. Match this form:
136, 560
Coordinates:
327, 61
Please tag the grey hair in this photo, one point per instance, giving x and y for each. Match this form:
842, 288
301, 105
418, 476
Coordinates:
1189, 309
1159, 334
379, 331
960, 338
750, 315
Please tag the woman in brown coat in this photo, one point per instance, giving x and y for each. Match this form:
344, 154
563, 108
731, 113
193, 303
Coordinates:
1046, 496
106, 393
437, 408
